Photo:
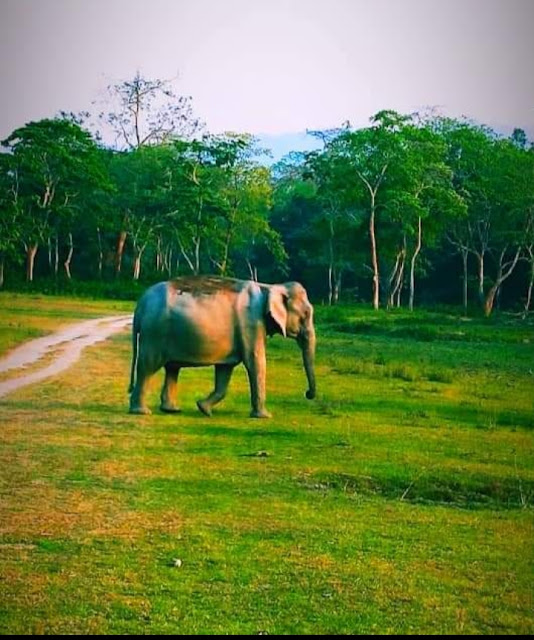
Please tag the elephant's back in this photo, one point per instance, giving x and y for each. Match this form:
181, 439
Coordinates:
202, 286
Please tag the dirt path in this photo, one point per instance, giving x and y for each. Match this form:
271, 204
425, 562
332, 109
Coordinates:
63, 348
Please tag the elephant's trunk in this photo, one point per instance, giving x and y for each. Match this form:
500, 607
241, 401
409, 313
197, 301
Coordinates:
307, 344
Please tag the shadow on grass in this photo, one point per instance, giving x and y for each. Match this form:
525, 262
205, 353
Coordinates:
243, 430
455, 490
403, 411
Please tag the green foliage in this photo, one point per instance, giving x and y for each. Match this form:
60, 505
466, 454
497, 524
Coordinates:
385, 207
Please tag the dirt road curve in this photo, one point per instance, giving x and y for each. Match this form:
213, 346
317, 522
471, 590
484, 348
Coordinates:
63, 347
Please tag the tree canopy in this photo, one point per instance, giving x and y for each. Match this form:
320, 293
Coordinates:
406, 210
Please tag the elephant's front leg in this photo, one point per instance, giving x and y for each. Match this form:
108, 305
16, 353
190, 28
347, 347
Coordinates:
168, 393
223, 373
256, 366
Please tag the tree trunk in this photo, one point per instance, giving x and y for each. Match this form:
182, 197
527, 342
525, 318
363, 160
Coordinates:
167, 259
138, 255
159, 260
169, 262
397, 277
50, 254
253, 270
137, 267
31, 252
373, 190
198, 239
330, 285
396, 282
504, 272
100, 253
197, 256
56, 256
530, 252
481, 295
465, 261
337, 286
414, 258
374, 257
490, 300
330, 267
224, 264
400, 284
67, 262
393, 280
121, 241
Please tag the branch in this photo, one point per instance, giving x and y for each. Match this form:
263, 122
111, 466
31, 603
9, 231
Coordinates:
372, 190
457, 243
512, 264
184, 253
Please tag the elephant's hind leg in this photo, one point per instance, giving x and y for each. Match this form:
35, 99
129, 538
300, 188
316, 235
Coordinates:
223, 373
137, 399
168, 393
145, 370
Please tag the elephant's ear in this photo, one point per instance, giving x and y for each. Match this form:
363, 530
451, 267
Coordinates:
277, 307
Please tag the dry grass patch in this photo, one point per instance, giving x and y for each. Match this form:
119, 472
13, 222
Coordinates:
47, 512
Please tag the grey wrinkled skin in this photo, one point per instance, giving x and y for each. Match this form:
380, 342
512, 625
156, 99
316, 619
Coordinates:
210, 321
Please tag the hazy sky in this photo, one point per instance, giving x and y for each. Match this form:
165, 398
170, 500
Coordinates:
274, 66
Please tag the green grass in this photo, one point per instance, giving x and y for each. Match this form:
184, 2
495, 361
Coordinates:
400, 501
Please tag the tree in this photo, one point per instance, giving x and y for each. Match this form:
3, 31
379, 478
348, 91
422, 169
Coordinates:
328, 235
371, 155
9, 212
512, 198
427, 196
50, 159
143, 112
529, 251
295, 205
139, 176
471, 158
191, 185
241, 203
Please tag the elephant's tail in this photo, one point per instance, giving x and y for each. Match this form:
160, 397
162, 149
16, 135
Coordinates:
135, 344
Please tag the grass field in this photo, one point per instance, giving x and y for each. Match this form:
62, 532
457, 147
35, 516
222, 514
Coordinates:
400, 501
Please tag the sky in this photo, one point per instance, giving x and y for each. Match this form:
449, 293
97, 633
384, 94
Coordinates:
274, 67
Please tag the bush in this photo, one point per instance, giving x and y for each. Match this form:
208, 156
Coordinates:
114, 290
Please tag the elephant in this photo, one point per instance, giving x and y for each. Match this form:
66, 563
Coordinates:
201, 321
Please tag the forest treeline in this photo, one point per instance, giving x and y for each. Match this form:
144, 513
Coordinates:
408, 209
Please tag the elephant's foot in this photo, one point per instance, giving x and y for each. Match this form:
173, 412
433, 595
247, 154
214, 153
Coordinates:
263, 415
170, 409
204, 408
140, 411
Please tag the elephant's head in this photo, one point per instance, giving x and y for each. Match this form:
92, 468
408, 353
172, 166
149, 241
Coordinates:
290, 313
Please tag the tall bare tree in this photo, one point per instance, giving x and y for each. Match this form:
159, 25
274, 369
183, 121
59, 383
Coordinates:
141, 112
